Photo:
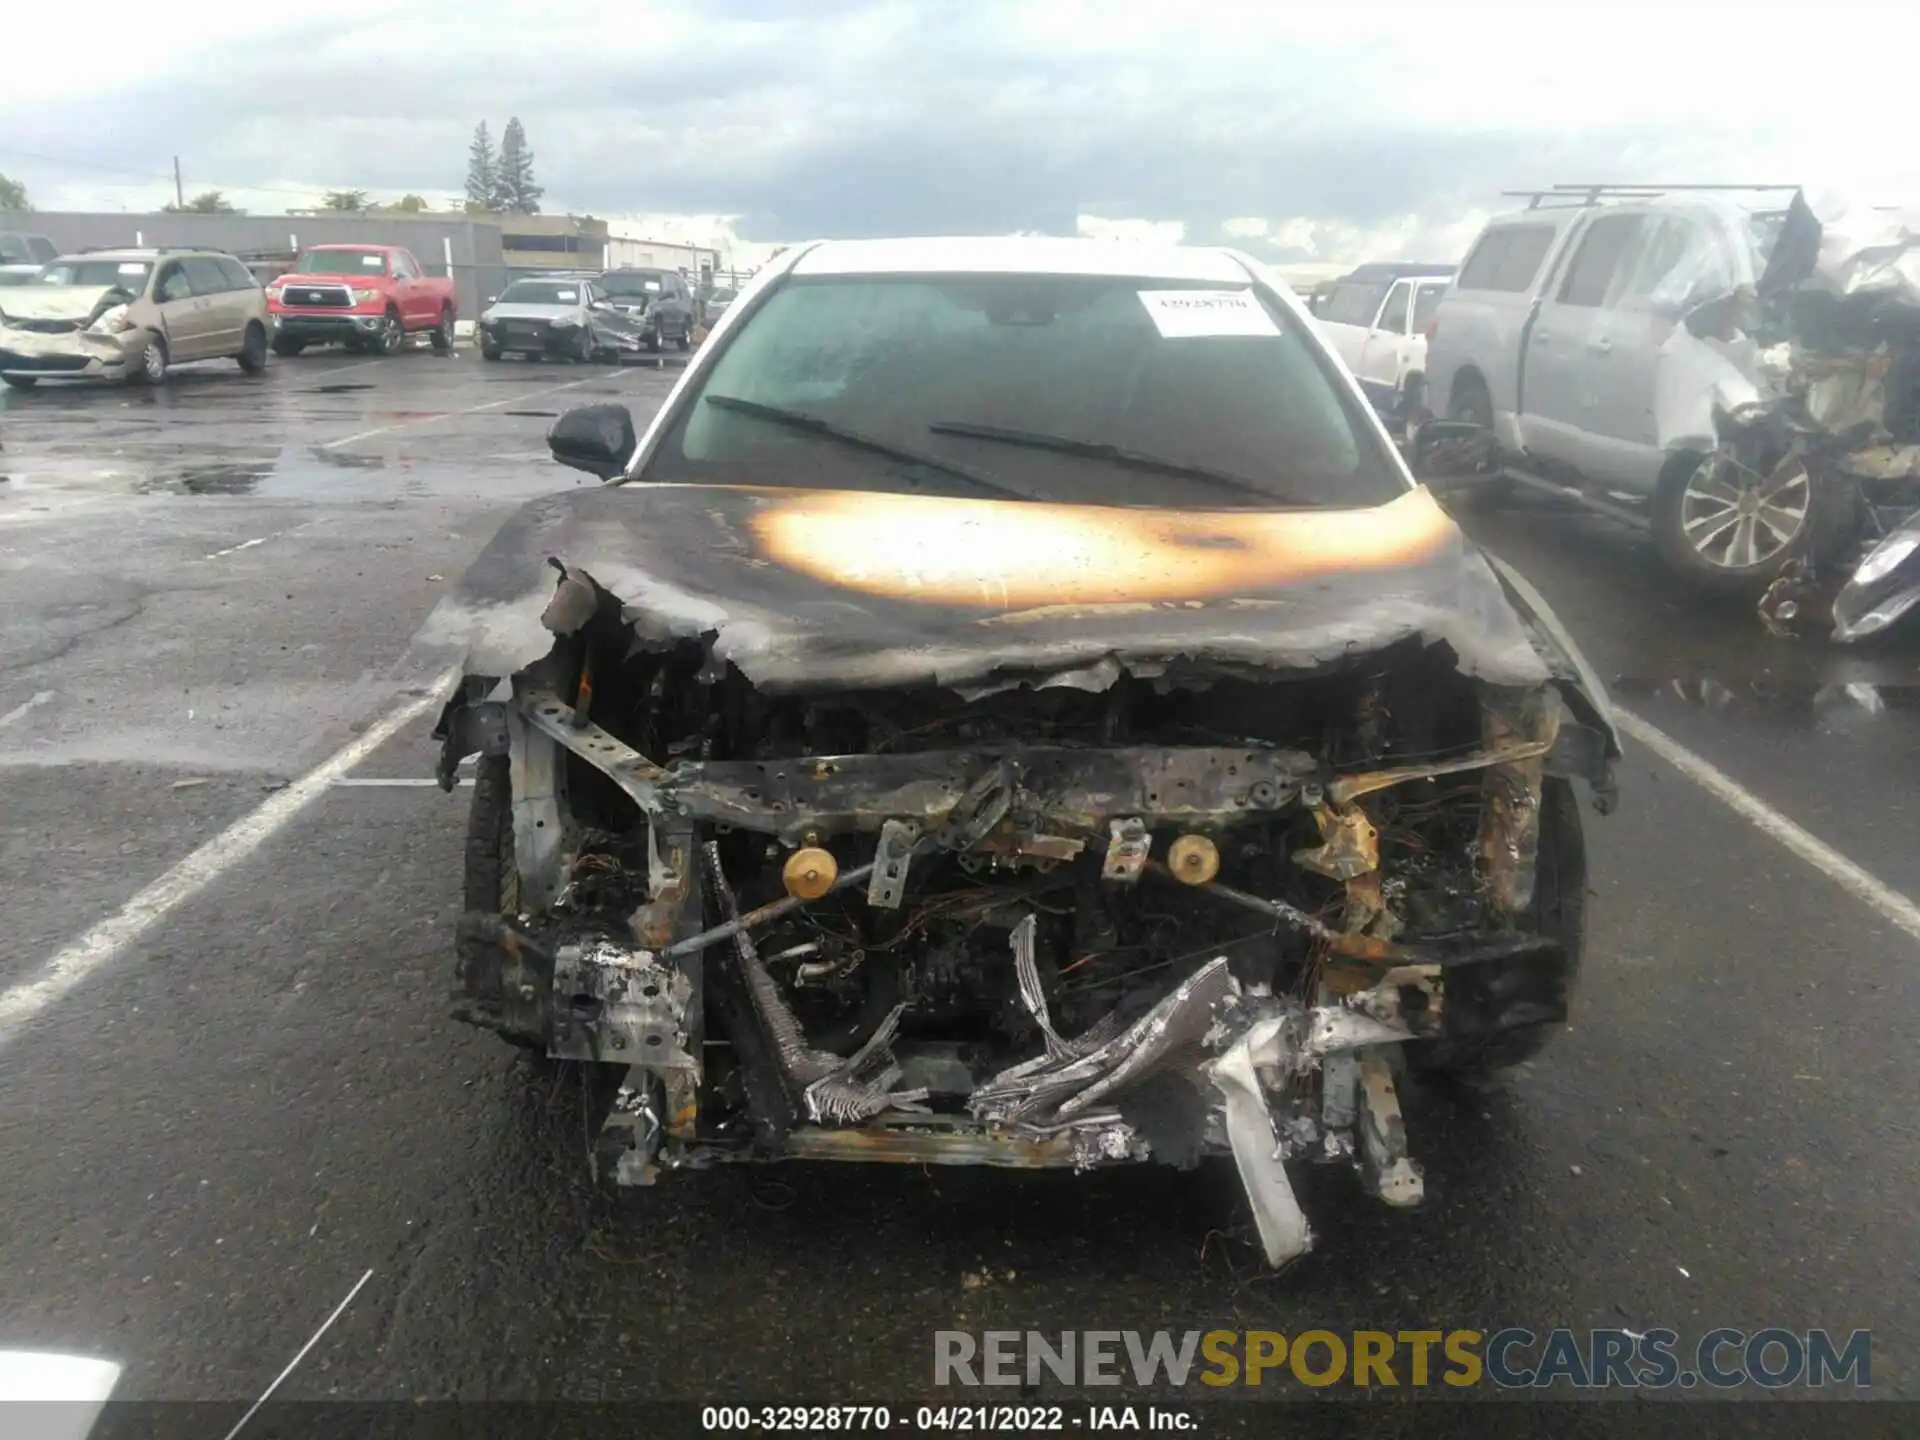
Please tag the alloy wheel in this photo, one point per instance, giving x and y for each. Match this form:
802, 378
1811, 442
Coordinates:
1737, 519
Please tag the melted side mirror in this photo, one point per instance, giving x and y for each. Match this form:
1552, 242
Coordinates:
1453, 454
598, 439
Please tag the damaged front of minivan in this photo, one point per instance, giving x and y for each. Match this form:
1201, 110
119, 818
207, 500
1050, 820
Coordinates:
991, 806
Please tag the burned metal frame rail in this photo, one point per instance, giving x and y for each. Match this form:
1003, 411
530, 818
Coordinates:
1072, 788
1076, 788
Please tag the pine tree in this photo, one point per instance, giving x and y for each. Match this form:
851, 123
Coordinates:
483, 172
514, 190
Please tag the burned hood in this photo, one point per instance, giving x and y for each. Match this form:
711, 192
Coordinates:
54, 302
819, 589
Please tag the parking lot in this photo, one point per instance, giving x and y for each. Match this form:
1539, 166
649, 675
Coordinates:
233, 1087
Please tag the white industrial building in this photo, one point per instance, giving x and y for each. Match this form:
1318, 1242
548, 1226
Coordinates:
631, 246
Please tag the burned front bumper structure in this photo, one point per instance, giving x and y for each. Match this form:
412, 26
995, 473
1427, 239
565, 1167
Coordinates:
1269, 1076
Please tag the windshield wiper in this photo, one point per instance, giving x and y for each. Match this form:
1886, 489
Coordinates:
1095, 450
819, 425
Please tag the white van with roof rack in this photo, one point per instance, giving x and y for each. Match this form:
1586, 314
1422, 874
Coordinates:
1562, 334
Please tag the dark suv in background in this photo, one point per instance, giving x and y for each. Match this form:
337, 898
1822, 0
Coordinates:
657, 300
22, 255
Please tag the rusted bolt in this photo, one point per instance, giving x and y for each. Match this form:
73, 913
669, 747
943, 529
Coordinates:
1193, 859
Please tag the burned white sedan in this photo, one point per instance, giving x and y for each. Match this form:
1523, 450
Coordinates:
1013, 707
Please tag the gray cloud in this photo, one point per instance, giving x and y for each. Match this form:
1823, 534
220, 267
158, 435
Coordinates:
845, 118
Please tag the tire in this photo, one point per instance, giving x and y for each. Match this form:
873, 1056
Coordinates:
583, 347
152, 369
1509, 989
490, 881
1741, 557
489, 352
653, 341
1413, 395
393, 334
287, 346
21, 382
442, 334
685, 341
253, 354
1473, 402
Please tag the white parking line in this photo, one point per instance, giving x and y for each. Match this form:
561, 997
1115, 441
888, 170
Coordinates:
20, 712
1864, 887
451, 414
111, 937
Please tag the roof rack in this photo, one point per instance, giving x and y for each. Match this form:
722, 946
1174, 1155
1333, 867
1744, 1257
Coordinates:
1593, 194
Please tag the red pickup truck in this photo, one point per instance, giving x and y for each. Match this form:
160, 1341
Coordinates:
366, 297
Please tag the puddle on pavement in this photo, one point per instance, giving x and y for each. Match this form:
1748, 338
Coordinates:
294, 472
340, 389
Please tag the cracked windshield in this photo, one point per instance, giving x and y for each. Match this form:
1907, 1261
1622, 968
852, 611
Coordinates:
886, 716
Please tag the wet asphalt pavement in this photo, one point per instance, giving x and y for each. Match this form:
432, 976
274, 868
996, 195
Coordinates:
209, 589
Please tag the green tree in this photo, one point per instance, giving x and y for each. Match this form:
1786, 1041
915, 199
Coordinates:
410, 205
207, 202
13, 195
344, 200
483, 175
514, 190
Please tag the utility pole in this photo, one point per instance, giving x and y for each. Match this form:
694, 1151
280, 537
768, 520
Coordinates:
179, 195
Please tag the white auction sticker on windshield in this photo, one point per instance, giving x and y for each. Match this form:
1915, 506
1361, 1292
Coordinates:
372, 262
566, 295
133, 268
1186, 314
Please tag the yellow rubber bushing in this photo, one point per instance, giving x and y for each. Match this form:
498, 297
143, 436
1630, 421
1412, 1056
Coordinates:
1193, 859
809, 872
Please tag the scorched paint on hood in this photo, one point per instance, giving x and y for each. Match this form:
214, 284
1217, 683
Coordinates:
929, 550
807, 589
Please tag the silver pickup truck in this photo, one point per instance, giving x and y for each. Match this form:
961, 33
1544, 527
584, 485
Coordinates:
1563, 332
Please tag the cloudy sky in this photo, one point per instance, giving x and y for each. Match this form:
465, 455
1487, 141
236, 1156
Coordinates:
1302, 132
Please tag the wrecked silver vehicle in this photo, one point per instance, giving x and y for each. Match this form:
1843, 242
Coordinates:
1830, 336
1013, 710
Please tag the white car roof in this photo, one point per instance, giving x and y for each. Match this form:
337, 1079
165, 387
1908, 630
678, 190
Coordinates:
1023, 254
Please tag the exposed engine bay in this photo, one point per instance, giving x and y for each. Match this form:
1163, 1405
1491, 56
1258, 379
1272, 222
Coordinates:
1041, 921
